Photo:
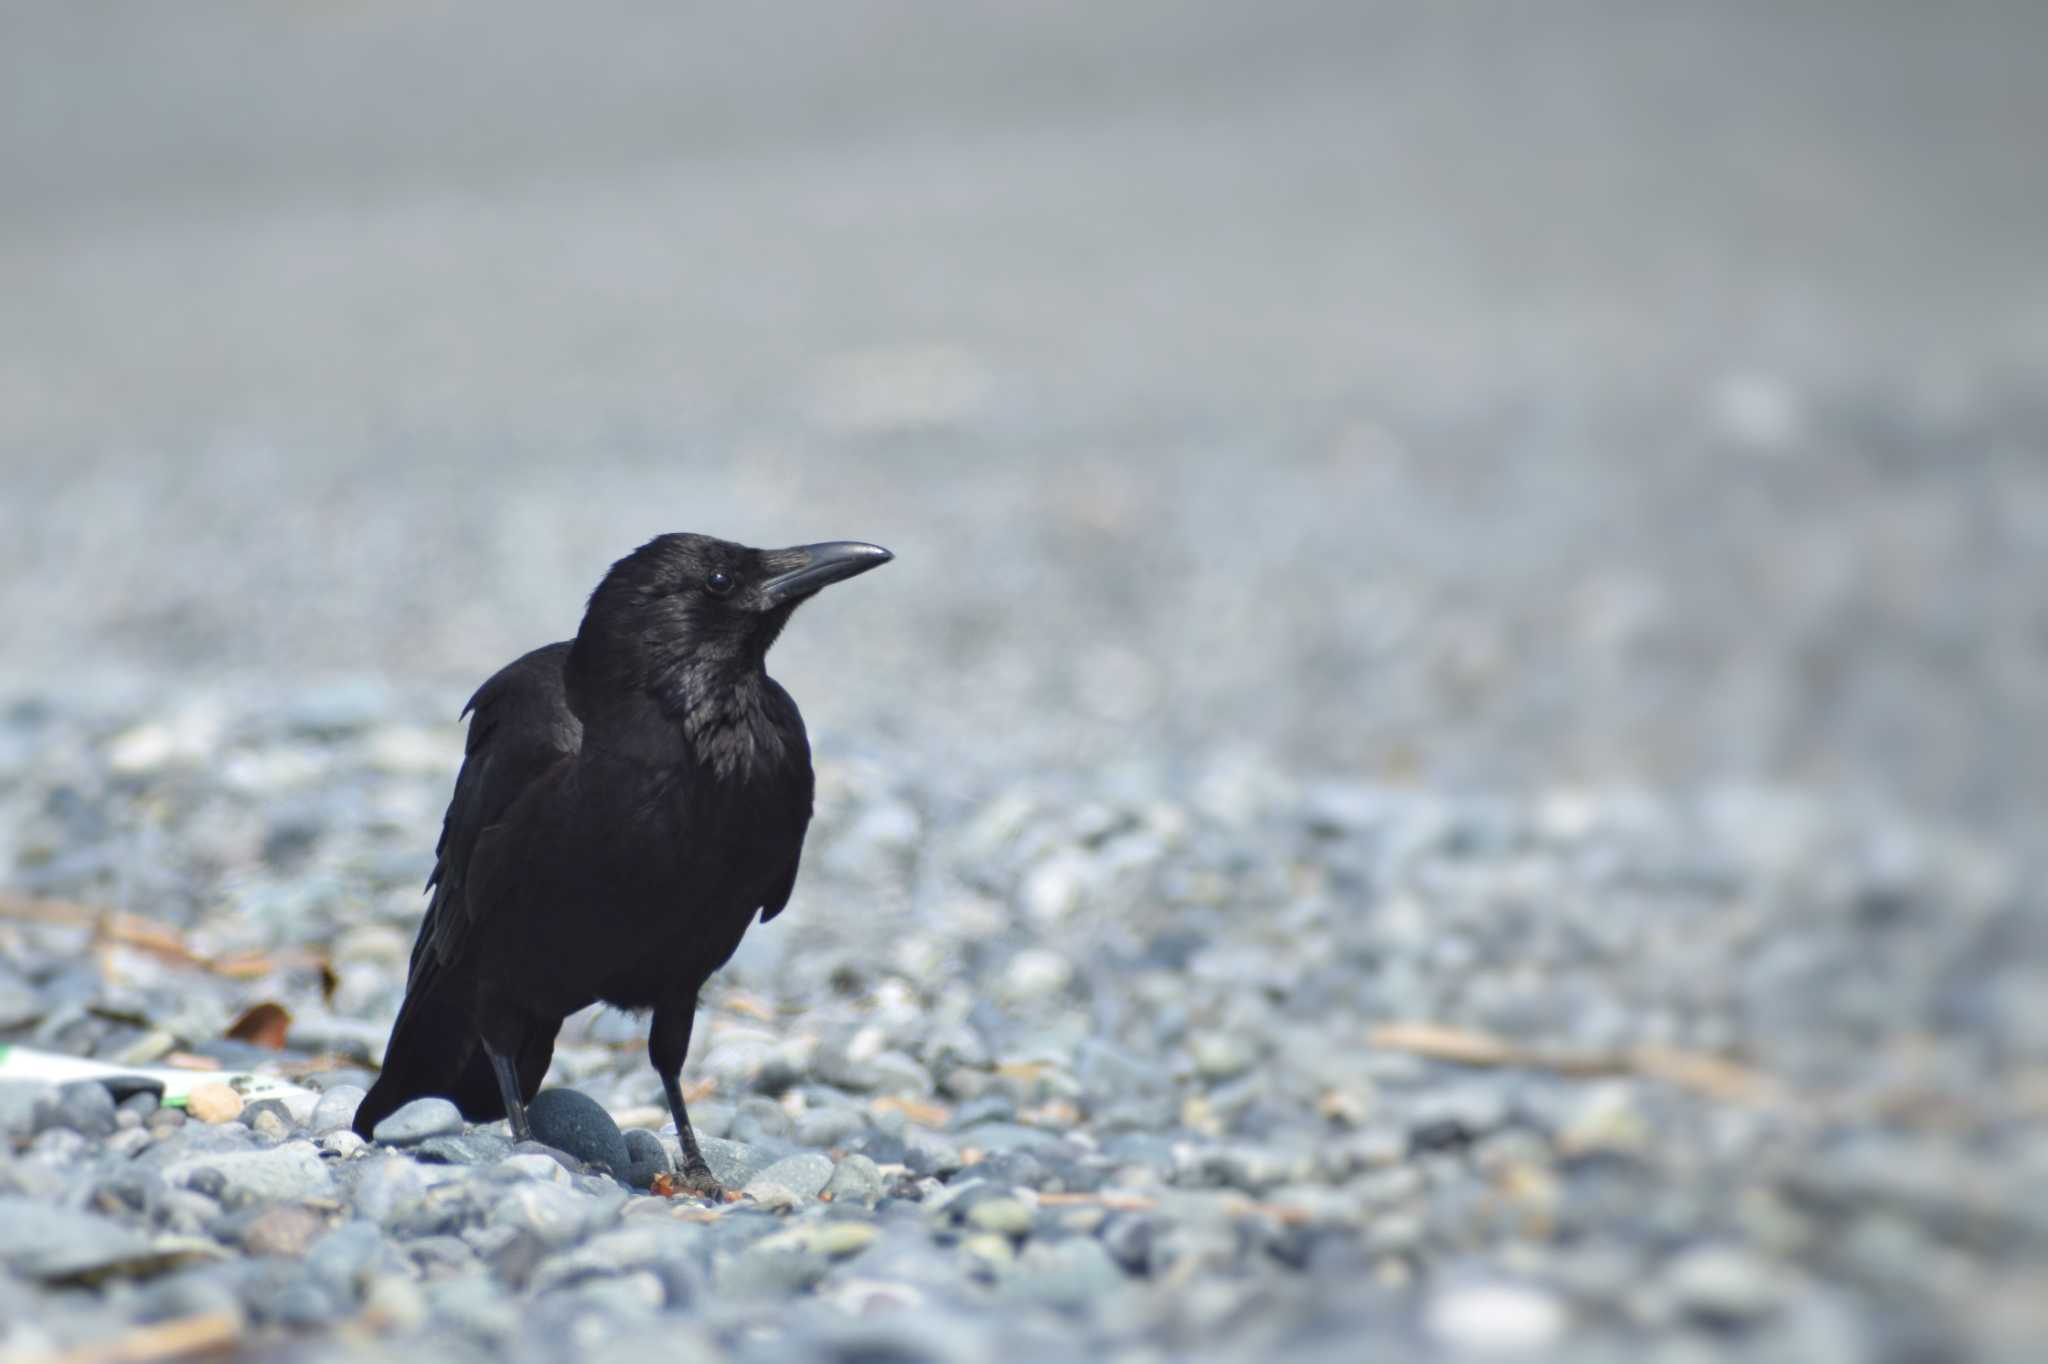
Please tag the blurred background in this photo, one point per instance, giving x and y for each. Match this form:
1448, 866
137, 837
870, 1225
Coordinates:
1471, 395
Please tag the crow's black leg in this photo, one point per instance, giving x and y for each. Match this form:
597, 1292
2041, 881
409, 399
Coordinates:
508, 1089
668, 1042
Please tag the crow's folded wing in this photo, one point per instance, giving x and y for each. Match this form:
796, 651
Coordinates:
789, 722
520, 727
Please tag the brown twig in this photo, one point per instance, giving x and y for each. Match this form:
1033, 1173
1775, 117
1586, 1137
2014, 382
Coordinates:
1716, 1077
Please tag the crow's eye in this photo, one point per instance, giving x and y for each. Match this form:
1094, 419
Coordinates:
718, 584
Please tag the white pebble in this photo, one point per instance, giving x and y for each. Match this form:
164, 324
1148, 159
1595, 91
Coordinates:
1496, 1319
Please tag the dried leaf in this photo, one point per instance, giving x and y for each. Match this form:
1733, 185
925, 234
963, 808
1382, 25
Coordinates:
262, 1025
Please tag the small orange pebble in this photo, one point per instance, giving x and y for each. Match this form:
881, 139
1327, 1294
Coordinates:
213, 1103
663, 1186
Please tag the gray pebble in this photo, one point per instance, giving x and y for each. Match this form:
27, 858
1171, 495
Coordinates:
856, 1180
770, 1272
1721, 1285
820, 1128
646, 1155
803, 1176
733, 1164
19, 1102
554, 1214
1127, 1236
82, 1106
466, 1148
336, 1109
51, 1243
414, 1122
572, 1121
1068, 1273
293, 1170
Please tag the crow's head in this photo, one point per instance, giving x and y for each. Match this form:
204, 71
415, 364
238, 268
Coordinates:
685, 614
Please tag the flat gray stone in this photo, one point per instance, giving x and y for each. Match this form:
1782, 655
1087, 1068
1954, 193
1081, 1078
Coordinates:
293, 1170
555, 1214
464, 1148
49, 1243
1063, 1273
804, 1175
732, 1163
415, 1122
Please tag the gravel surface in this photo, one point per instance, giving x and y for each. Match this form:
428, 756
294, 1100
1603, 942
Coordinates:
1450, 766
1205, 1060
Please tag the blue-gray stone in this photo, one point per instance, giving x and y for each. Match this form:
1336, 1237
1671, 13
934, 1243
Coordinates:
413, 1123
465, 1148
293, 1170
856, 1180
336, 1109
803, 1175
571, 1121
733, 1163
83, 1106
646, 1157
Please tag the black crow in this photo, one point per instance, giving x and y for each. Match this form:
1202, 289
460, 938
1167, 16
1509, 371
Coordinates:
629, 801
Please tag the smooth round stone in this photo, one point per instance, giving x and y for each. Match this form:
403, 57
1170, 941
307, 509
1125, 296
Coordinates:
1127, 1237
571, 1121
415, 1122
1005, 1216
856, 1179
1496, 1319
341, 1143
646, 1157
804, 1176
1222, 1056
1724, 1286
733, 1163
336, 1108
1063, 1274
213, 1103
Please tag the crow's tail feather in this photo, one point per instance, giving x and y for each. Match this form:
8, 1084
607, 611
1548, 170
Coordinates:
434, 1049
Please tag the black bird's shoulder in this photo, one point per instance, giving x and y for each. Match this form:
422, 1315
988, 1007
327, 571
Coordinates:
520, 729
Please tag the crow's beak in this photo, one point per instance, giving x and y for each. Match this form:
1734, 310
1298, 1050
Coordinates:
806, 568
